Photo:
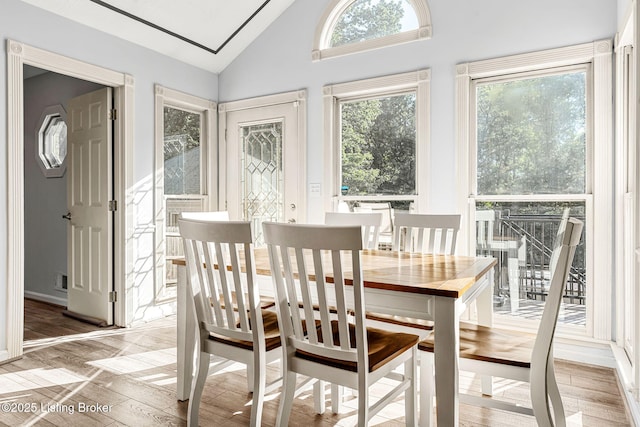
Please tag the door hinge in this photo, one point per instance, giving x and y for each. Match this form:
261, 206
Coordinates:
113, 205
113, 296
113, 114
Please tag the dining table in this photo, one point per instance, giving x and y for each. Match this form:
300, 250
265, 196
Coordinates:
438, 288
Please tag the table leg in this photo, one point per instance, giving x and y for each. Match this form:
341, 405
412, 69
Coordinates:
186, 337
446, 354
484, 302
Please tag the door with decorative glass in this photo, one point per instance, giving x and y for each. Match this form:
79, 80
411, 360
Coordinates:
265, 164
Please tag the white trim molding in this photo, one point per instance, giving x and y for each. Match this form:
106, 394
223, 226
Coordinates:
19, 54
322, 40
598, 56
420, 81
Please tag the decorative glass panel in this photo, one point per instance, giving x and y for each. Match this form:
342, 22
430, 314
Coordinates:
262, 183
379, 146
373, 19
181, 152
531, 135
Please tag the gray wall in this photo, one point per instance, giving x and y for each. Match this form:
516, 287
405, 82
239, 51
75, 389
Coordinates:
280, 60
45, 231
27, 24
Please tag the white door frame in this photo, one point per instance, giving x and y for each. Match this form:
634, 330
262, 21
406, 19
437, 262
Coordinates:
300, 98
19, 54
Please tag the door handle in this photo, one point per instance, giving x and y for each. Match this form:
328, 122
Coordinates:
67, 216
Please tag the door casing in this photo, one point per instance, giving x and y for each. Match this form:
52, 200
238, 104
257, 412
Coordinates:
19, 54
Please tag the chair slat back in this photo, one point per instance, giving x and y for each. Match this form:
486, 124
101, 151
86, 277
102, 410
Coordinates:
432, 234
558, 239
301, 257
369, 221
208, 216
484, 228
542, 354
227, 300
382, 207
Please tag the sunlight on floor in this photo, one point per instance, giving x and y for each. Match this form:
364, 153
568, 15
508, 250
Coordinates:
136, 362
35, 378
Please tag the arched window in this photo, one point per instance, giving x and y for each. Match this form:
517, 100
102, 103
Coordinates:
349, 26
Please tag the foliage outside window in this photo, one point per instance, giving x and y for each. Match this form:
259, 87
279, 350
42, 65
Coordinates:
532, 135
372, 19
350, 26
378, 141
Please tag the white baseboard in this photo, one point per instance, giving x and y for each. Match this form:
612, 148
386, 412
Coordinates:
624, 370
46, 298
4, 355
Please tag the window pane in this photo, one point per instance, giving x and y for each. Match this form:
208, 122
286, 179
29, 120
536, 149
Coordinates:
531, 135
521, 236
378, 138
372, 19
181, 152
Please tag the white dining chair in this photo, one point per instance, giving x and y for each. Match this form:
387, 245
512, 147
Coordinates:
426, 233
343, 351
231, 323
387, 226
513, 247
512, 354
369, 221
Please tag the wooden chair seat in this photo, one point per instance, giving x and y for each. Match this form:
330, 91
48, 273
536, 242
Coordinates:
493, 345
408, 322
271, 334
383, 347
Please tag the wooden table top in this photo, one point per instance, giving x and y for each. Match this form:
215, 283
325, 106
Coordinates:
440, 275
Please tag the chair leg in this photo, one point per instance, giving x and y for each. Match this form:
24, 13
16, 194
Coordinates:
201, 372
539, 397
250, 378
426, 389
337, 392
410, 373
554, 396
259, 385
286, 399
318, 397
363, 401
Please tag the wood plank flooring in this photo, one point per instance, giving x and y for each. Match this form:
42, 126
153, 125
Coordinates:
131, 374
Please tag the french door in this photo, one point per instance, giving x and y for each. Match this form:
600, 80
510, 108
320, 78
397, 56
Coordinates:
265, 146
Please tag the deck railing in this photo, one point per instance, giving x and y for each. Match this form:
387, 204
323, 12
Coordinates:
538, 234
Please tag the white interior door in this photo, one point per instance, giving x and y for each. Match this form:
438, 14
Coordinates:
264, 179
89, 189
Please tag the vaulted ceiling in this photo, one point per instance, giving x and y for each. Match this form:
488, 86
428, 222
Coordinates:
206, 33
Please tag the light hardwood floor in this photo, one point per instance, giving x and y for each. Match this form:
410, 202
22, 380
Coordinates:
132, 371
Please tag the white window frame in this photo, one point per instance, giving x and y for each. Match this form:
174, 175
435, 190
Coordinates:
165, 97
600, 245
418, 81
321, 43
